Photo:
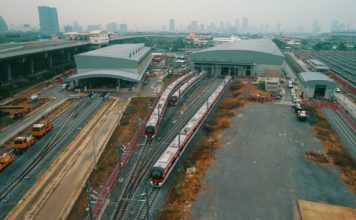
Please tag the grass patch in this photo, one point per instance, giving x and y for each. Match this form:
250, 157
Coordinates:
334, 149
187, 186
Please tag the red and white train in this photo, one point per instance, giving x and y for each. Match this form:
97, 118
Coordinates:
158, 111
165, 164
185, 87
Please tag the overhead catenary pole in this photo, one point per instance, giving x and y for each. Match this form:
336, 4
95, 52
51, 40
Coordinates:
120, 152
147, 202
89, 196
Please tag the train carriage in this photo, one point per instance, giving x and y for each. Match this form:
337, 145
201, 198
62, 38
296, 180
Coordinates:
165, 164
185, 87
158, 111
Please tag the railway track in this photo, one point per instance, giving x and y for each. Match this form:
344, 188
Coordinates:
67, 124
345, 130
152, 151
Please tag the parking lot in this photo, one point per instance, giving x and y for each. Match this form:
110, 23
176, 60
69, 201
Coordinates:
260, 171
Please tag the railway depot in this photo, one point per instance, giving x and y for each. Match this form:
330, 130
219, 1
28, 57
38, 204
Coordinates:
116, 66
240, 58
317, 85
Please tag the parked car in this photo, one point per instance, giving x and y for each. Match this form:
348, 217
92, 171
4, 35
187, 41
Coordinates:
338, 90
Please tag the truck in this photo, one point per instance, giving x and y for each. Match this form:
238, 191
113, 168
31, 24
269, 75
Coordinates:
6, 159
22, 143
39, 130
302, 115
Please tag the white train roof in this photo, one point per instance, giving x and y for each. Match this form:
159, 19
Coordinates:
163, 100
173, 147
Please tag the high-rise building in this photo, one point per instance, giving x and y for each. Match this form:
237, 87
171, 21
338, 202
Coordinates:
112, 27
194, 26
245, 27
171, 25
48, 19
237, 25
68, 28
123, 28
94, 27
279, 27
3, 25
316, 27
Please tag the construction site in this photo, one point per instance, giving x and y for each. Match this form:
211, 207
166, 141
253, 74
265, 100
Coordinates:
131, 134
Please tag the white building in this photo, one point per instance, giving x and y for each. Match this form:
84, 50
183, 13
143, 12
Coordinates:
99, 37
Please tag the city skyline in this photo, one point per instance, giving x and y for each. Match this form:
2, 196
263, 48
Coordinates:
284, 17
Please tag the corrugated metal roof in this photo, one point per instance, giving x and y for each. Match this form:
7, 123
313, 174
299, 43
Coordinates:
317, 62
122, 51
315, 76
257, 45
116, 74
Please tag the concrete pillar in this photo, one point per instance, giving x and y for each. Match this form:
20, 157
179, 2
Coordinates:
50, 60
32, 65
9, 74
69, 55
229, 71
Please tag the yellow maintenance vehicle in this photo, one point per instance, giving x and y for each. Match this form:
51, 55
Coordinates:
22, 143
38, 130
6, 159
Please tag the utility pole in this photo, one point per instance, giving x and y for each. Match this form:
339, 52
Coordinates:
120, 152
179, 100
89, 196
147, 202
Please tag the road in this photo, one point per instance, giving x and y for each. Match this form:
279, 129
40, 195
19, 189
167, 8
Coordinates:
34, 116
260, 170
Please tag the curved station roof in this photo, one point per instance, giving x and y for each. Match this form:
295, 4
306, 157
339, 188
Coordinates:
240, 52
121, 61
315, 77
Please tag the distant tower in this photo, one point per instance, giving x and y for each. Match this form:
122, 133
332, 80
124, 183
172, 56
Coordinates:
245, 24
237, 25
316, 27
171, 25
48, 20
279, 27
3, 25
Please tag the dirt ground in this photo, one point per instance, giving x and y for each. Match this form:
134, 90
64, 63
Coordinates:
320, 211
334, 150
183, 194
123, 133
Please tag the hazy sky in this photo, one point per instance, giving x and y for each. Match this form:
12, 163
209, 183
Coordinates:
152, 14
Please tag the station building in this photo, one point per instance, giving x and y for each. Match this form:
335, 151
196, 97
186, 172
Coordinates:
117, 66
317, 85
251, 57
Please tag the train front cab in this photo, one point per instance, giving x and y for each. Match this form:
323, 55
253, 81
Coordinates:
156, 176
150, 131
174, 100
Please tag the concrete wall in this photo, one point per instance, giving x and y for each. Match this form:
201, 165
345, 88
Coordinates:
308, 89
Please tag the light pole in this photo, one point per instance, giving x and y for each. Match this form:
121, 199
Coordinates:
147, 202
94, 154
120, 152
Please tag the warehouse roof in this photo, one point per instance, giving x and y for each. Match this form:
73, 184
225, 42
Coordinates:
257, 45
134, 52
115, 74
315, 76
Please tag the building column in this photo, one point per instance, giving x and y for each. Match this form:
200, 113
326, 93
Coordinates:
9, 74
50, 60
229, 71
32, 65
69, 55
118, 85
